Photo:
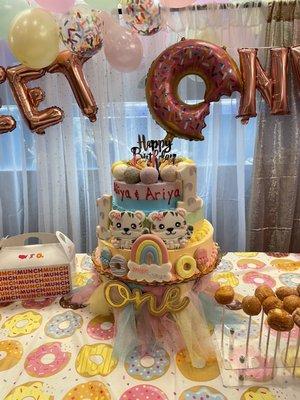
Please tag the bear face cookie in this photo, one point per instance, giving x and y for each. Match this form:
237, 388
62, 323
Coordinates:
171, 227
126, 227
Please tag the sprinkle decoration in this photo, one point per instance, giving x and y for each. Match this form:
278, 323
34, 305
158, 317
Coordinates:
144, 16
81, 31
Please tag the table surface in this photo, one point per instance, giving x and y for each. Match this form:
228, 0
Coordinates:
23, 376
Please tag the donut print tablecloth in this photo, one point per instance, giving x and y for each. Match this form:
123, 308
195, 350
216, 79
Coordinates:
49, 352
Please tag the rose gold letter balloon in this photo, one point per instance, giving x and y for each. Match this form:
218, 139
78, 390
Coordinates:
7, 122
272, 85
29, 99
211, 63
295, 54
70, 65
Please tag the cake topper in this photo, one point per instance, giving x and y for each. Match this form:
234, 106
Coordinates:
153, 150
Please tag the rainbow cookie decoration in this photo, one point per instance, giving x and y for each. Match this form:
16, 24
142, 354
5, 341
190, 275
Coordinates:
149, 247
149, 260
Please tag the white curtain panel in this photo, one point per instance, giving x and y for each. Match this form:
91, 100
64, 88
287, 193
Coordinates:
51, 182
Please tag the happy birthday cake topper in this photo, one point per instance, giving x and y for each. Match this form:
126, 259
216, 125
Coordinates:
159, 148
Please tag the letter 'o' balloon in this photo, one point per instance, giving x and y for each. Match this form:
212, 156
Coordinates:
189, 57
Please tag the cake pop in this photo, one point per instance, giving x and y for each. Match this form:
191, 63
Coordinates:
224, 295
290, 303
168, 173
280, 320
284, 291
251, 306
270, 303
262, 292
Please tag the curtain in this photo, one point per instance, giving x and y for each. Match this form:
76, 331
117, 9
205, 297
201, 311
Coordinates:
275, 201
51, 182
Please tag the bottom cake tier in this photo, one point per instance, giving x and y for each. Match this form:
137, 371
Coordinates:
150, 262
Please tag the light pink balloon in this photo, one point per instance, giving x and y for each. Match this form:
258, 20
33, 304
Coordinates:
123, 49
177, 3
57, 6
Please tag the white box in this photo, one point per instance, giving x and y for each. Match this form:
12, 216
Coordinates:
35, 270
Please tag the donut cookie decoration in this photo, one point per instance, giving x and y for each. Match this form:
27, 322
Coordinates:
36, 366
54, 329
13, 351
186, 267
87, 367
201, 393
211, 62
148, 392
147, 367
23, 324
93, 390
118, 295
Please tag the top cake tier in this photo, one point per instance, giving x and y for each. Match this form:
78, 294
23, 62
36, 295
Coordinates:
172, 184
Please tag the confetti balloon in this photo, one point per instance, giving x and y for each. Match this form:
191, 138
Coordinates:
144, 16
56, 6
104, 5
80, 31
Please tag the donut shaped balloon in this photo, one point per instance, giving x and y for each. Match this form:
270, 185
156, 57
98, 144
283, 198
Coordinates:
209, 61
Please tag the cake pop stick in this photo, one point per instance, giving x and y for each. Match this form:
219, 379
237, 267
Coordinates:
251, 306
278, 336
280, 321
287, 346
262, 292
297, 353
224, 295
296, 318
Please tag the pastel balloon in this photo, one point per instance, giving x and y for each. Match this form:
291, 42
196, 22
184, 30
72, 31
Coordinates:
105, 5
177, 3
34, 38
81, 31
8, 10
144, 16
123, 49
56, 6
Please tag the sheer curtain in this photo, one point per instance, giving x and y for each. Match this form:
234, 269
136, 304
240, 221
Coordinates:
51, 182
275, 206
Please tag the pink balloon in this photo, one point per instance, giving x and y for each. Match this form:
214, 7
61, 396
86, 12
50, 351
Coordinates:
57, 6
123, 49
177, 3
